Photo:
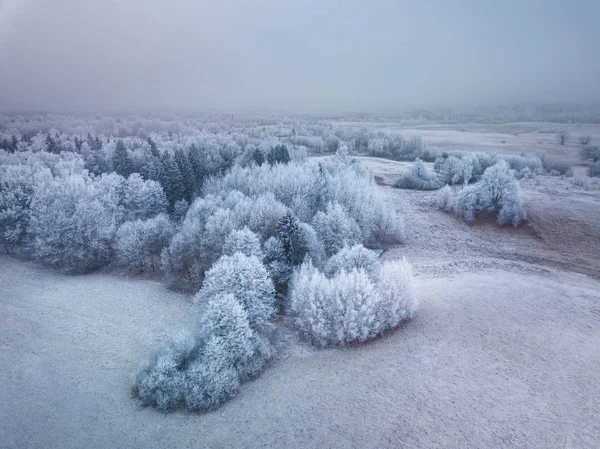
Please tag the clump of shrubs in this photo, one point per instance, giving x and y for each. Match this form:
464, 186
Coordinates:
418, 178
351, 305
594, 169
204, 368
555, 166
497, 192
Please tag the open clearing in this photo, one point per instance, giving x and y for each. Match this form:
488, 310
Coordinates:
503, 351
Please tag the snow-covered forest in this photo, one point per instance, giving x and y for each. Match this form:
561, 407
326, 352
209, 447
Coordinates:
231, 215
269, 226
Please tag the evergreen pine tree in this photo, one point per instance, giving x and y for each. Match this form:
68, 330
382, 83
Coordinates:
294, 245
122, 164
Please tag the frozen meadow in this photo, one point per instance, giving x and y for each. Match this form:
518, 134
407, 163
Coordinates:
486, 337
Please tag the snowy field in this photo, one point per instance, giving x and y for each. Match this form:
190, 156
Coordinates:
503, 351
506, 138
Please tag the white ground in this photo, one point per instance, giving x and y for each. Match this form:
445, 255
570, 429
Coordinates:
504, 351
507, 138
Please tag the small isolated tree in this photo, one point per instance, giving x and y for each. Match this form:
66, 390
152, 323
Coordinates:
585, 140
563, 137
445, 198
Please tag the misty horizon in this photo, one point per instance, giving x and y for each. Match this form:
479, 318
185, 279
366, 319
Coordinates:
69, 56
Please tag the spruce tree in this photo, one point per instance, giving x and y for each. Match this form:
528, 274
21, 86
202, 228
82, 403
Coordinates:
122, 164
294, 245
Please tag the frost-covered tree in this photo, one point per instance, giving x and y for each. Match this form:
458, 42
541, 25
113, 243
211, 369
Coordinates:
292, 239
445, 198
72, 224
332, 143
143, 199
201, 370
418, 178
497, 192
335, 228
17, 185
591, 152
243, 241
351, 305
315, 250
279, 154
454, 170
139, 243
122, 163
276, 262
248, 280
180, 208
594, 169
350, 258
563, 136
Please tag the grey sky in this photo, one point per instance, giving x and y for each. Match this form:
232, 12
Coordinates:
313, 54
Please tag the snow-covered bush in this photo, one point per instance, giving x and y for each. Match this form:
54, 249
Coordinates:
418, 178
445, 198
201, 370
581, 181
454, 170
139, 243
594, 169
349, 258
556, 166
591, 152
498, 192
162, 381
350, 306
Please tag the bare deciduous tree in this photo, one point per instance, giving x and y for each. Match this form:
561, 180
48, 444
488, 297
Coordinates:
563, 137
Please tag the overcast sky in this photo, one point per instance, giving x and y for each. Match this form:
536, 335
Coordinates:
155, 55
